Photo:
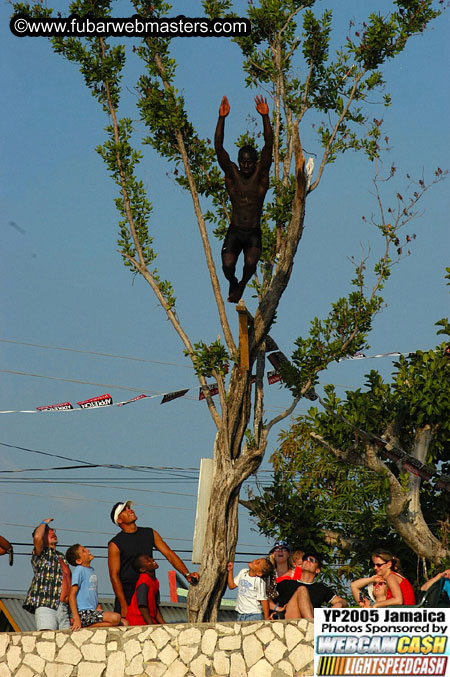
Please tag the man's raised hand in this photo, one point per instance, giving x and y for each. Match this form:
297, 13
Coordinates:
261, 105
224, 107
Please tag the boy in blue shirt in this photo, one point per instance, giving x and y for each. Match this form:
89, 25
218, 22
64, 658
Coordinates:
83, 596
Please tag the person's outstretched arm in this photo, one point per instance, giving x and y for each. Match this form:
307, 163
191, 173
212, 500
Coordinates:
396, 591
114, 569
266, 609
266, 153
222, 155
159, 617
73, 607
4, 545
230, 577
38, 538
174, 560
359, 584
442, 574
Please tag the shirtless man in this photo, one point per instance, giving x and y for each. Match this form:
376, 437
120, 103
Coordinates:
247, 187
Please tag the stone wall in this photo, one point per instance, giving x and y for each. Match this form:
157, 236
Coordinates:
261, 649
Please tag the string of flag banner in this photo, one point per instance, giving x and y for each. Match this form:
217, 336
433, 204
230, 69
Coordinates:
276, 358
387, 447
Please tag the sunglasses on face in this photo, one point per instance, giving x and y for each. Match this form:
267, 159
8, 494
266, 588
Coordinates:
311, 559
376, 566
380, 583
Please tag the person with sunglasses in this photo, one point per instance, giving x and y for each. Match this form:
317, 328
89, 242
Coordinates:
311, 594
287, 574
376, 588
400, 591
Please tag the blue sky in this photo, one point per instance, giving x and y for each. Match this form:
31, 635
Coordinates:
64, 284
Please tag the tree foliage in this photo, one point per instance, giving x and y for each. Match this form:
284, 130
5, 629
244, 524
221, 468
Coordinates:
371, 468
288, 55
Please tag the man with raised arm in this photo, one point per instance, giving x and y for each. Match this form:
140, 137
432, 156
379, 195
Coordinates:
48, 595
247, 187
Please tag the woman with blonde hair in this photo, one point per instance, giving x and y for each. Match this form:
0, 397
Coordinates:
287, 575
400, 591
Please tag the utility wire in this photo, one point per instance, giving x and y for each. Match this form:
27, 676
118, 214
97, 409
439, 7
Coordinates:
156, 393
109, 533
97, 500
92, 352
89, 464
112, 486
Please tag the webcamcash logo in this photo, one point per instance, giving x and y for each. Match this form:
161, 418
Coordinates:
395, 641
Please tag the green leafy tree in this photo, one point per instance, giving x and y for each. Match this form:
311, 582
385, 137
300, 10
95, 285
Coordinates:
370, 469
334, 89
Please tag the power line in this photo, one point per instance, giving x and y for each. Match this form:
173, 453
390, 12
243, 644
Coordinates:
113, 466
88, 467
97, 500
90, 484
110, 533
156, 393
89, 464
92, 352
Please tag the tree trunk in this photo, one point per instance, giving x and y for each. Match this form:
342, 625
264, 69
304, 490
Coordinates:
233, 464
219, 548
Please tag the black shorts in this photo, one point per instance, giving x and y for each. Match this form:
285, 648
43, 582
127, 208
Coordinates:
90, 616
241, 239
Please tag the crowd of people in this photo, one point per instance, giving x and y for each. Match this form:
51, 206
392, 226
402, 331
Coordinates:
283, 585
292, 590
60, 598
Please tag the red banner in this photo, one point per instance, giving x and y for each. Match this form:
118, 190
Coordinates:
134, 399
64, 406
100, 401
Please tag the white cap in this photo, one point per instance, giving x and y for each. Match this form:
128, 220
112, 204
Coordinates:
118, 508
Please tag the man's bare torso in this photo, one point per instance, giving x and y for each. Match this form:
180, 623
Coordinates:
247, 197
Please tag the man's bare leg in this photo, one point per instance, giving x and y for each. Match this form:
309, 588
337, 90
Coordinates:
251, 259
229, 269
299, 606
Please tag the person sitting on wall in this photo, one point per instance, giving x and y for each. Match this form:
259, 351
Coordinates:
311, 594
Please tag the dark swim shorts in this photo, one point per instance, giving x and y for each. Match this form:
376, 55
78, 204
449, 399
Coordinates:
90, 616
241, 239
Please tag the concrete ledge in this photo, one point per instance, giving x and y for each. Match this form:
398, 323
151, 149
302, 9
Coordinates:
253, 649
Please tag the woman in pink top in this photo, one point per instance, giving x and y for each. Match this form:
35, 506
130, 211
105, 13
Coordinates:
400, 591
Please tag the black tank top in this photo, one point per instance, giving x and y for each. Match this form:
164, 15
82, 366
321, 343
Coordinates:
130, 546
